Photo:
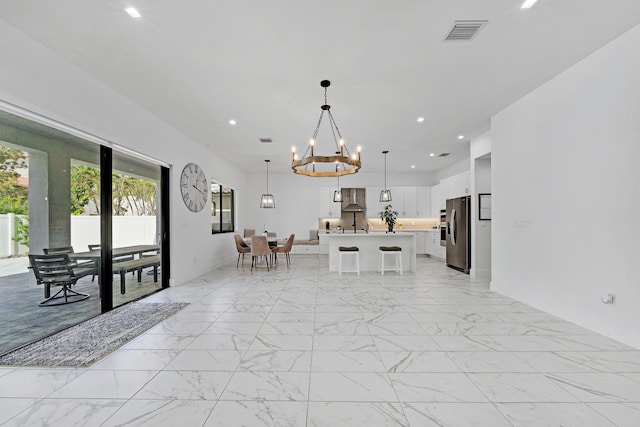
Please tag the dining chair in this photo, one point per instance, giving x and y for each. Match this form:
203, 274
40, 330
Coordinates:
249, 232
241, 247
259, 248
285, 249
56, 270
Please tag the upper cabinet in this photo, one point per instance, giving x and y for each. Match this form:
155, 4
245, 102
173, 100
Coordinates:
456, 185
436, 201
423, 202
327, 208
372, 198
397, 200
411, 202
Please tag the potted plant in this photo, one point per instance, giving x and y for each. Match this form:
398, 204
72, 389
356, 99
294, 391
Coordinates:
389, 216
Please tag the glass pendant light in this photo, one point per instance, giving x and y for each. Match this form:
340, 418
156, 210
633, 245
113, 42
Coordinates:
385, 195
267, 201
337, 195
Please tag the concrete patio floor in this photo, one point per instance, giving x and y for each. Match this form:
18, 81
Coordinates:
24, 321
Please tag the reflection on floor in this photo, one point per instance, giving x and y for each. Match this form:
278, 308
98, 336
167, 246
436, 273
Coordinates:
305, 347
23, 320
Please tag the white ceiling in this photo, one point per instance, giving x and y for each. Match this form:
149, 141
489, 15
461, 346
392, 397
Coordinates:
196, 64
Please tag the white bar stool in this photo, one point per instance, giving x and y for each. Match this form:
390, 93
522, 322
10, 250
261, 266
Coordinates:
391, 250
349, 250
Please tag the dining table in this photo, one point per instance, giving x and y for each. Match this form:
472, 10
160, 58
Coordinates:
95, 255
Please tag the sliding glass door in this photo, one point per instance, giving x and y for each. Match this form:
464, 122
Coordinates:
98, 207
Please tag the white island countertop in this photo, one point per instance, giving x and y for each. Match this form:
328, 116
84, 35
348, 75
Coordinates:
369, 244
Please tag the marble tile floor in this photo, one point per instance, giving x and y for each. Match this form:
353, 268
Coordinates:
23, 321
301, 346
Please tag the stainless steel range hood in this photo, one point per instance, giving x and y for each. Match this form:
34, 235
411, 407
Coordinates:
353, 205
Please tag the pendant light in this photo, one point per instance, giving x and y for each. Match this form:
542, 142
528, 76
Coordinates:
385, 195
267, 201
337, 195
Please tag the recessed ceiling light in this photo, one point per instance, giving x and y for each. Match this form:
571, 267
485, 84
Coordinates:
432, 154
232, 122
420, 119
413, 166
133, 12
460, 136
528, 3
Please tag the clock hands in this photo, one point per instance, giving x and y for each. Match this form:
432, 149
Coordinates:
194, 186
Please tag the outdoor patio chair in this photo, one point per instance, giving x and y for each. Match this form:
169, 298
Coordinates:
80, 268
56, 270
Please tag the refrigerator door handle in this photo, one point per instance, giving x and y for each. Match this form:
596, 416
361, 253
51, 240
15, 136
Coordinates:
454, 220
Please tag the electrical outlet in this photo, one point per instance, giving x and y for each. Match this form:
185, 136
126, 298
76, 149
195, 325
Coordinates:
608, 298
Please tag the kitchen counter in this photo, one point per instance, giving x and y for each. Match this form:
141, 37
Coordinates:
369, 244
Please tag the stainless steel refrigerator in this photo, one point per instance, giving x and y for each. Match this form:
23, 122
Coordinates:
459, 233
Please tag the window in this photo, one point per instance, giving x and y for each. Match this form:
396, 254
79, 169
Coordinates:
222, 209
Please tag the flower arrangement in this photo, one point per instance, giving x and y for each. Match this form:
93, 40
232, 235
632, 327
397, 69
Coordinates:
389, 216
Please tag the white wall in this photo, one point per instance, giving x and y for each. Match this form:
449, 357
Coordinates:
565, 193
480, 180
127, 231
34, 78
297, 198
454, 169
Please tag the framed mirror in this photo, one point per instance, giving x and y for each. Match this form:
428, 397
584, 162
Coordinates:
484, 206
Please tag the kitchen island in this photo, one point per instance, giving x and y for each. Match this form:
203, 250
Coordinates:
369, 244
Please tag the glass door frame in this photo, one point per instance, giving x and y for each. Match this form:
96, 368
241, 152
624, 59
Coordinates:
106, 228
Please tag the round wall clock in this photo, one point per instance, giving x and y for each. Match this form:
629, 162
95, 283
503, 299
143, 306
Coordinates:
194, 187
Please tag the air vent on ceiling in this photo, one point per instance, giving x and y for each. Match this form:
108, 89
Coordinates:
266, 140
464, 30
443, 154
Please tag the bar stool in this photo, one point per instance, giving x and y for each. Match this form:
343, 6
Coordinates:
391, 250
349, 250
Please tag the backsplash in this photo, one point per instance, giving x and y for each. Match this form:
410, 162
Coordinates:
378, 224
406, 224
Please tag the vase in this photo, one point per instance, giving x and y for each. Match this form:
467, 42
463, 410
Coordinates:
390, 227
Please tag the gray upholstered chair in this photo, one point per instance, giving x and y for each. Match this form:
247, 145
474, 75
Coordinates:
259, 247
285, 249
242, 248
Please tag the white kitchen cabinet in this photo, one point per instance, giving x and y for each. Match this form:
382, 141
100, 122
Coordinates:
323, 246
432, 245
421, 242
327, 208
409, 204
435, 201
423, 202
306, 249
397, 200
455, 186
372, 198
404, 200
